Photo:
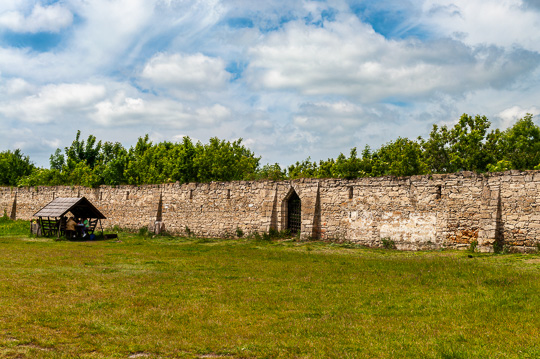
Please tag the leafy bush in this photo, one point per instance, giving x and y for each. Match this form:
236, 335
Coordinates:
498, 247
239, 232
388, 243
143, 232
472, 246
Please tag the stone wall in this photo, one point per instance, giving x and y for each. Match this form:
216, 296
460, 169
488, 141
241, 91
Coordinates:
419, 212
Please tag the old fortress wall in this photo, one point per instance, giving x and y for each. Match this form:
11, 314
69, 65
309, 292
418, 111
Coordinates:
419, 212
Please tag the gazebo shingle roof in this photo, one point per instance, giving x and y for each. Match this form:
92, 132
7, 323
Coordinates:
79, 207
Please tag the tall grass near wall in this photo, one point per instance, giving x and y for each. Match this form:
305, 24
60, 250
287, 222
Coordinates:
9, 228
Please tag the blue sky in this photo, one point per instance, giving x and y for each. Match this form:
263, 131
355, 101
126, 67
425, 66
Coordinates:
292, 78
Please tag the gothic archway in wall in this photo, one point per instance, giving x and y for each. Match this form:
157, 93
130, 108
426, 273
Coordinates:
294, 213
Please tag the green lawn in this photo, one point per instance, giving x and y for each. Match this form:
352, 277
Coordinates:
167, 297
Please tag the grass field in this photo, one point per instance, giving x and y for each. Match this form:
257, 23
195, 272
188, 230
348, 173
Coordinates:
140, 297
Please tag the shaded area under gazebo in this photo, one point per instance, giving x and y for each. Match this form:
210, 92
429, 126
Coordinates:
53, 217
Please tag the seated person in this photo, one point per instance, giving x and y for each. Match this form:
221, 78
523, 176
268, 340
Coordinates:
70, 227
80, 228
86, 226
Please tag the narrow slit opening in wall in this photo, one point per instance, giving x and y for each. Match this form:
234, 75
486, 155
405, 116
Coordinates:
350, 192
100, 196
127, 194
190, 194
439, 192
228, 194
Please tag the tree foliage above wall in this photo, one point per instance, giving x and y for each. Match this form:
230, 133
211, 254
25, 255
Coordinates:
14, 166
468, 146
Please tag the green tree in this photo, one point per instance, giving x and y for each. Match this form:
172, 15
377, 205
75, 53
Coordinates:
271, 173
79, 151
224, 161
348, 167
464, 147
14, 166
304, 169
57, 160
182, 168
141, 165
112, 163
367, 162
326, 169
402, 157
520, 144
82, 175
467, 140
436, 150
43, 177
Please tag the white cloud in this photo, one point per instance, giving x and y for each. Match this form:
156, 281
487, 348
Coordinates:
500, 22
305, 87
52, 18
186, 73
53, 143
348, 58
510, 115
340, 125
212, 114
111, 36
53, 102
123, 110
341, 119
110, 30
121, 33
16, 87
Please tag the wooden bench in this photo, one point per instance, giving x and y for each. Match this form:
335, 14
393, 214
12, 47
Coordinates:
92, 223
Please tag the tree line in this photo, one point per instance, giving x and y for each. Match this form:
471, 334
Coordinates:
467, 146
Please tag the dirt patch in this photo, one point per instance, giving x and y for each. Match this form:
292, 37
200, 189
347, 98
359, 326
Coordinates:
139, 355
34, 346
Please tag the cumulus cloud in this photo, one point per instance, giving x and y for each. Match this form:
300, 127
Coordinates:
52, 102
349, 58
185, 73
123, 110
16, 87
510, 115
501, 23
340, 121
52, 18
338, 126
294, 79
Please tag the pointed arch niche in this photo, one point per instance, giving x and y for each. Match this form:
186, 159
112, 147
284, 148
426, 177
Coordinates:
292, 212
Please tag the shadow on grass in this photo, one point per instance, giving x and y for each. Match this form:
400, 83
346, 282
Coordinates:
96, 238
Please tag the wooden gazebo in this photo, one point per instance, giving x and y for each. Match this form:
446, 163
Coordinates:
52, 217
